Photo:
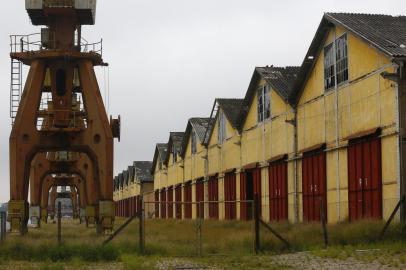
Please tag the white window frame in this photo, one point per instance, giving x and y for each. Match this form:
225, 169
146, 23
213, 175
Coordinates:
193, 142
221, 136
264, 103
339, 69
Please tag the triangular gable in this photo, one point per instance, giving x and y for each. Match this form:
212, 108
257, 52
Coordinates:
377, 30
232, 110
159, 155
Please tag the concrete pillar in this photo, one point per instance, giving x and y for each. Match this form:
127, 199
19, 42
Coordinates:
183, 200
265, 191
206, 199
221, 196
238, 193
194, 206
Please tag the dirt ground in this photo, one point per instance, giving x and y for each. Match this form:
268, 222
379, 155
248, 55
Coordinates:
302, 261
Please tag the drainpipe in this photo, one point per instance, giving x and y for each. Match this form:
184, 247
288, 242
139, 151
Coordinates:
337, 132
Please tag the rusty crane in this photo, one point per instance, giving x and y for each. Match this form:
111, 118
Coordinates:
69, 136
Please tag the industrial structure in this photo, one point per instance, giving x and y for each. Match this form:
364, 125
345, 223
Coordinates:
61, 134
324, 140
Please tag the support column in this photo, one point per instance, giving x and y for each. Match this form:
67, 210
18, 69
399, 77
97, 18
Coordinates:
265, 191
238, 193
221, 196
194, 206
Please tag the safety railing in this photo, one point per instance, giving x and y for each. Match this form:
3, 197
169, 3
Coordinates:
25, 43
73, 119
32, 42
96, 47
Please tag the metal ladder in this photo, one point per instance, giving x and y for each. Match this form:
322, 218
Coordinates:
15, 88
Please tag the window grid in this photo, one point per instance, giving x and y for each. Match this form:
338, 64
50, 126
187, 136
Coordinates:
264, 104
342, 59
336, 62
194, 146
221, 128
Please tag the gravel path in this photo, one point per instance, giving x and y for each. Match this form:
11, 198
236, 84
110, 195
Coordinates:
306, 261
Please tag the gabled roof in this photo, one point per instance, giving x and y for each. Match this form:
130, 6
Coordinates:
387, 33
120, 179
281, 79
161, 150
125, 176
142, 170
115, 183
199, 126
174, 144
384, 32
130, 173
232, 109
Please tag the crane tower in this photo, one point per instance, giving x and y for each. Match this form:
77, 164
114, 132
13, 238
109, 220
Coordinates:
61, 70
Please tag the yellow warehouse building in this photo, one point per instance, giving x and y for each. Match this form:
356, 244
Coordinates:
320, 141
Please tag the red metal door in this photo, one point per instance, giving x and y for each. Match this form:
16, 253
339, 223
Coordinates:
178, 202
243, 196
213, 198
314, 185
163, 203
230, 195
364, 178
170, 202
156, 203
188, 199
200, 198
278, 195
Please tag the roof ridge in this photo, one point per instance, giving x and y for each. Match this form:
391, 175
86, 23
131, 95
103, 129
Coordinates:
367, 14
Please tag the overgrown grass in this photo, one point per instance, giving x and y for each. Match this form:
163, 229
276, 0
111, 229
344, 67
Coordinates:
303, 237
172, 238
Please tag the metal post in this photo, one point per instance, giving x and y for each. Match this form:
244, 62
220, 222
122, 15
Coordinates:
392, 216
257, 244
323, 221
199, 223
3, 218
142, 230
59, 223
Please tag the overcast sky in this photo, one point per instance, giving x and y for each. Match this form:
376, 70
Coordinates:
170, 59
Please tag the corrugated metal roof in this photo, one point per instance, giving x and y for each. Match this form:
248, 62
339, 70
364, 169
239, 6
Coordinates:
125, 176
161, 151
130, 170
121, 179
231, 108
199, 125
142, 171
174, 144
280, 78
388, 33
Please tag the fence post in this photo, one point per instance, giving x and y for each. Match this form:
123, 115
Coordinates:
323, 221
142, 229
3, 218
199, 223
59, 223
392, 216
257, 244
